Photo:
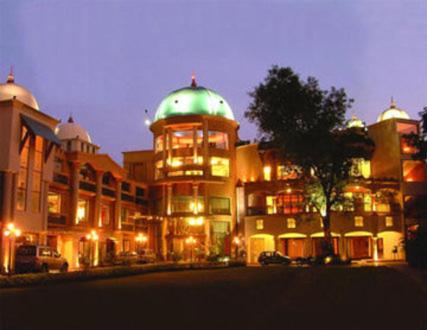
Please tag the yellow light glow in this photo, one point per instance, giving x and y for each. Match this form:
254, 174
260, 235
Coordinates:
141, 238
289, 190
267, 173
6, 233
10, 226
236, 240
190, 240
195, 221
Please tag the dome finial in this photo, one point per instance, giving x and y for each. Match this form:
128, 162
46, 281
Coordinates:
193, 80
392, 103
10, 76
70, 118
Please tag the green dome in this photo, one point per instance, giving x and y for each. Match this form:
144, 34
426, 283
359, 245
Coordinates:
193, 100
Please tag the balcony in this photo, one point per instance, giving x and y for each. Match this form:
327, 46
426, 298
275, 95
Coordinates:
57, 219
60, 178
88, 186
108, 192
127, 198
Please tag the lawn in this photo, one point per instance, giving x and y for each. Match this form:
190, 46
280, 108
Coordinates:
240, 298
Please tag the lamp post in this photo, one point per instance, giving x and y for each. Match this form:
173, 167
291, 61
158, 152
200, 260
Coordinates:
140, 240
92, 237
11, 232
190, 241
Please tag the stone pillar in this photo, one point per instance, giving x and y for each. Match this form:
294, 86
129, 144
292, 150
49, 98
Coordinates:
169, 200
118, 206
375, 248
75, 177
195, 198
206, 160
207, 235
98, 197
195, 145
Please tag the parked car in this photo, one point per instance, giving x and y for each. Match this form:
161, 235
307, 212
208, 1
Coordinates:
126, 258
273, 257
146, 256
38, 258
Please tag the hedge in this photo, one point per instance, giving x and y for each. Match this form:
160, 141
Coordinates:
33, 279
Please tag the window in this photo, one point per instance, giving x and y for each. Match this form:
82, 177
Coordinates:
413, 171
361, 168
158, 170
406, 128
288, 172
219, 205
54, 202
23, 173
104, 215
189, 160
57, 165
389, 221
220, 166
367, 202
289, 203
271, 204
406, 147
267, 173
218, 140
358, 221
187, 204
82, 211
291, 223
37, 174
259, 224
158, 145
185, 138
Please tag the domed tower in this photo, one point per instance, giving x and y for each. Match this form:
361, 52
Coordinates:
194, 157
75, 138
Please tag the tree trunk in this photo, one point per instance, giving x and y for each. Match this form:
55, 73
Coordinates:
327, 246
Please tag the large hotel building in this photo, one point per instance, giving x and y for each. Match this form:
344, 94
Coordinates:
200, 190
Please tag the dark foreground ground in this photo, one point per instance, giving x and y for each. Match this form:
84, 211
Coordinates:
240, 298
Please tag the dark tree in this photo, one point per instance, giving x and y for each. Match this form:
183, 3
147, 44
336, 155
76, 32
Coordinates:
307, 125
419, 141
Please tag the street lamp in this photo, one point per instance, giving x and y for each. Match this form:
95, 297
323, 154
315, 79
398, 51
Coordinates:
92, 237
190, 241
11, 232
141, 239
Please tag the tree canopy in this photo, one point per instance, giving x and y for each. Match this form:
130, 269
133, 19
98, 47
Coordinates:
307, 125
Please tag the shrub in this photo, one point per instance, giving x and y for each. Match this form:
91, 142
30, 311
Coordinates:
416, 248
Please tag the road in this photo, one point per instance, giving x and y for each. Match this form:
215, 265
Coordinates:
240, 298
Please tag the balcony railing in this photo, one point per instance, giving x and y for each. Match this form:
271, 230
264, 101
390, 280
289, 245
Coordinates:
108, 192
128, 198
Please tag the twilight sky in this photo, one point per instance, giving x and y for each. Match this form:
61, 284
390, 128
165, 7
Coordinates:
107, 61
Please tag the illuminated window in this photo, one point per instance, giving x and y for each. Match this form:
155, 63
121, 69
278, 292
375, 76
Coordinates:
413, 171
406, 147
218, 140
158, 170
82, 211
220, 166
267, 173
158, 145
270, 201
54, 202
187, 204
389, 221
367, 202
358, 221
57, 165
188, 160
361, 168
291, 223
23, 174
288, 172
184, 138
259, 224
382, 207
104, 215
219, 205
37, 174
289, 203
406, 128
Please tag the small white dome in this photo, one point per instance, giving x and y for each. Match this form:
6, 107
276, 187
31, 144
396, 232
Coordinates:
393, 112
70, 130
355, 122
9, 90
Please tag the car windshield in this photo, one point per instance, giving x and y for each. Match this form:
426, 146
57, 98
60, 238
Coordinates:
29, 250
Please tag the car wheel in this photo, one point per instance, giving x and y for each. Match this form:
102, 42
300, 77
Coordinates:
45, 268
64, 268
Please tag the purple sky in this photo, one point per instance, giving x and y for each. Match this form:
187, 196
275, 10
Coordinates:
107, 61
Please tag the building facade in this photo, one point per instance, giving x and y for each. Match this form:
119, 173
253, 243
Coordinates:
198, 192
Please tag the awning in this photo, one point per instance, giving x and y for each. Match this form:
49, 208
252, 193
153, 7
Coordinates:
40, 129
